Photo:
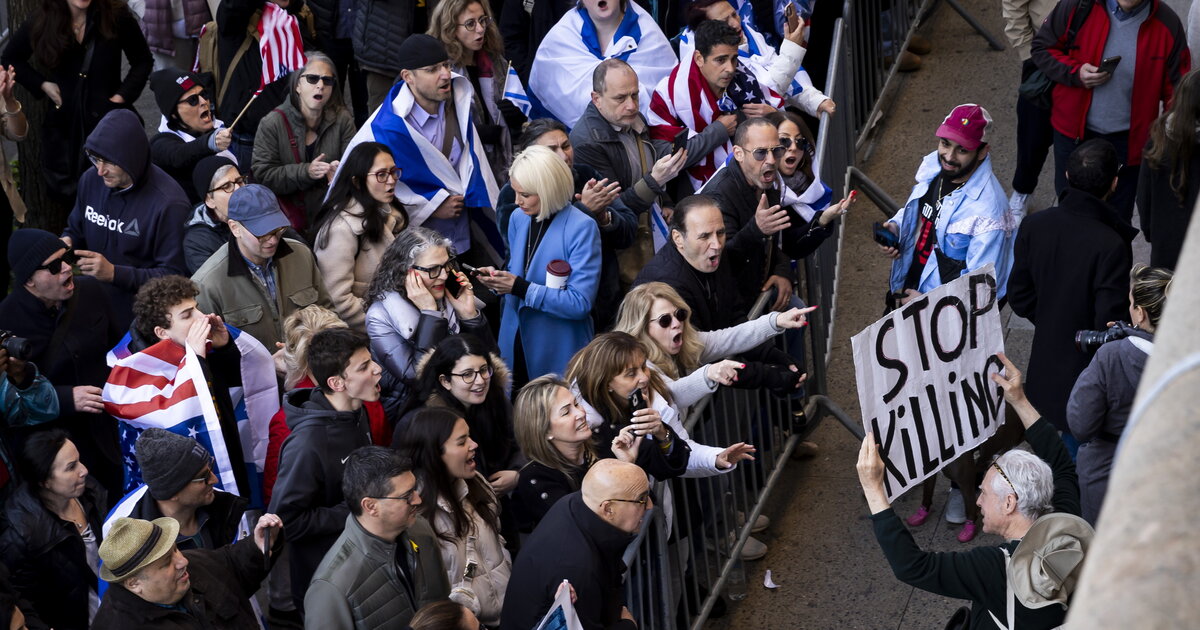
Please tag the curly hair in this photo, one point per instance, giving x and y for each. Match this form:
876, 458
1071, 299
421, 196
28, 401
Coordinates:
399, 257
443, 25
154, 301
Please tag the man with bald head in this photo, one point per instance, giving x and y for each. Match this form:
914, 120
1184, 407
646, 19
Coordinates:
582, 540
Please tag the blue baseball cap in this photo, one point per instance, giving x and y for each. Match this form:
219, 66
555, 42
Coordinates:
256, 208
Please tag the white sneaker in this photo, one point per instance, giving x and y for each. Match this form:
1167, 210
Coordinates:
956, 509
1018, 203
760, 523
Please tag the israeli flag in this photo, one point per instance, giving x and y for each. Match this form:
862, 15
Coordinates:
514, 92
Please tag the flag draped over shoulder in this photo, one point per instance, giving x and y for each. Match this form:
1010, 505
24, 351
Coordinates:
279, 43
757, 56
164, 386
561, 77
427, 177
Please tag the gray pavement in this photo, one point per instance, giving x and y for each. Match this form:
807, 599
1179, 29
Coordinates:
823, 552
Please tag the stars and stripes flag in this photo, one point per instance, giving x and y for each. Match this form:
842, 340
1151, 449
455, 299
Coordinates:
280, 43
164, 386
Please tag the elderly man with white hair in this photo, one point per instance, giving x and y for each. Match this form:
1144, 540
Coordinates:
1030, 499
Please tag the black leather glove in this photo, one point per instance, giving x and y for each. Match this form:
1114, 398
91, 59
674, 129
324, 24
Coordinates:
512, 117
490, 134
778, 379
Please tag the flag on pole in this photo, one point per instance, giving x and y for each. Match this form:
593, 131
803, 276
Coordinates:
514, 91
279, 43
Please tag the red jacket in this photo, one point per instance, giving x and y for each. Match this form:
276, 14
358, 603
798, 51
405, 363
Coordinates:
381, 435
1162, 59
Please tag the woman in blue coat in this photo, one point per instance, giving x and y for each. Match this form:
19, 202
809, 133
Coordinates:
541, 327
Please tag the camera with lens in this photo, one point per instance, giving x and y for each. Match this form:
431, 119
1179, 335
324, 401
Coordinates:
1088, 341
17, 347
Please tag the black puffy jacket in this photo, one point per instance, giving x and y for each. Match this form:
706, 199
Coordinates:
380, 27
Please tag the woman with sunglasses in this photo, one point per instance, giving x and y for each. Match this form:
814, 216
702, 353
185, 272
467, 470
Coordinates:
462, 508
417, 298
297, 145
472, 41
188, 130
361, 216
52, 539
692, 362
553, 272
803, 191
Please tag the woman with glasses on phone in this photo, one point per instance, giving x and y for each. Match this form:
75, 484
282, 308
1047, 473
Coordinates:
417, 298
472, 41
693, 362
553, 272
52, 539
355, 226
462, 508
297, 146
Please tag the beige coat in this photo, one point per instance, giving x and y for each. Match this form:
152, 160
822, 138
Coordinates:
348, 260
1022, 19
483, 593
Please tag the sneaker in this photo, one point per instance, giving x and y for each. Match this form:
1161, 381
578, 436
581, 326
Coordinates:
919, 518
909, 62
967, 533
753, 549
918, 45
760, 523
806, 450
1018, 203
956, 510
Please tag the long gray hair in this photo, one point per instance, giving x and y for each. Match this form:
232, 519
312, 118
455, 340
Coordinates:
399, 257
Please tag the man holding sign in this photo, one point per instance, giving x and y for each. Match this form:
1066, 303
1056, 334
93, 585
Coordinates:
1031, 499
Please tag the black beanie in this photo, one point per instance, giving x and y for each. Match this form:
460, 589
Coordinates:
169, 461
28, 248
205, 169
169, 86
420, 50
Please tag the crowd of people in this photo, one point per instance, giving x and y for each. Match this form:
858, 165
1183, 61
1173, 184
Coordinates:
398, 290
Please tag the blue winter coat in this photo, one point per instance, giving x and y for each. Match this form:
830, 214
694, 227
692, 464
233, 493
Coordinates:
974, 225
554, 323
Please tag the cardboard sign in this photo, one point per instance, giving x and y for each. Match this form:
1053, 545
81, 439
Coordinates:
924, 378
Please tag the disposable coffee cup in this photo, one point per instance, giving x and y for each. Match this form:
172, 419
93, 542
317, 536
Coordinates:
557, 272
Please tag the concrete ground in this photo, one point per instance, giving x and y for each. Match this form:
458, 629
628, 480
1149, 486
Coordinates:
823, 553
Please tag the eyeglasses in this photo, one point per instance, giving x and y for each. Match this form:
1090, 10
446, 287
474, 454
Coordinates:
232, 185
406, 497
204, 476
55, 266
194, 99
436, 270
802, 143
383, 176
313, 79
664, 320
276, 232
761, 154
96, 159
468, 377
1001, 471
642, 501
473, 24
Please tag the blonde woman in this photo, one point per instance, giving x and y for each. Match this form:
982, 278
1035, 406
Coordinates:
692, 362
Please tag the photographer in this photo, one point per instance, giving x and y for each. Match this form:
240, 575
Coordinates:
1103, 396
1070, 270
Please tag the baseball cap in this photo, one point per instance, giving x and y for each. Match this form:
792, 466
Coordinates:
256, 208
967, 125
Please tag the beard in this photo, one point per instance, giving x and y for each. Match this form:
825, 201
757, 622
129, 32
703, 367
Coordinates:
962, 171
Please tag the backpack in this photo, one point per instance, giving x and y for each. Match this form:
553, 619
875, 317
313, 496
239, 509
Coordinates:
206, 53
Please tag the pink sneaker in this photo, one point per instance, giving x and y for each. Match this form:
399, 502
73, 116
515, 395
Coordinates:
919, 518
967, 533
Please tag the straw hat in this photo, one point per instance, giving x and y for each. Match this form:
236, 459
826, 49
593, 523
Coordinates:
133, 543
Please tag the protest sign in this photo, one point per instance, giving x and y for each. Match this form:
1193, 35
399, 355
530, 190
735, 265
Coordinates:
924, 378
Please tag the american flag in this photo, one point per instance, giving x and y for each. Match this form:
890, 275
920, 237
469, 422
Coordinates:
279, 43
164, 386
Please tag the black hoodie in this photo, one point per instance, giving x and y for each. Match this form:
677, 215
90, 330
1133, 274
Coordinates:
308, 492
139, 229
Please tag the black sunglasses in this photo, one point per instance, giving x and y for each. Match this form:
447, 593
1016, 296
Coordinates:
314, 78
761, 154
802, 143
55, 266
194, 99
664, 320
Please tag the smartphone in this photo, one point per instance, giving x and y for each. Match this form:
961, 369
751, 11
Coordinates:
680, 141
792, 16
637, 402
469, 269
884, 236
1110, 64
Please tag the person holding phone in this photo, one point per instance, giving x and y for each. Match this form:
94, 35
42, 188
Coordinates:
417, 298
1098, 97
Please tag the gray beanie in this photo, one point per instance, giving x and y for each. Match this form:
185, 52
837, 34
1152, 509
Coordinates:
169, 461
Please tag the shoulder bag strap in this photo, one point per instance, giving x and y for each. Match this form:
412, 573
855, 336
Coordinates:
1009, 596
287, 125
251, 36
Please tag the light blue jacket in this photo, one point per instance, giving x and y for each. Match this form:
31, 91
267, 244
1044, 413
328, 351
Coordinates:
554, 323
974, 225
